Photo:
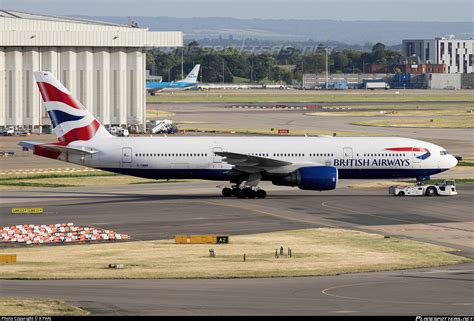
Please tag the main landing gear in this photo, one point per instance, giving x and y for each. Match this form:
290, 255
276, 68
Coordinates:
247, 190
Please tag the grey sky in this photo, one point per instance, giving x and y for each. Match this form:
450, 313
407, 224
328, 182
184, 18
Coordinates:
398, 10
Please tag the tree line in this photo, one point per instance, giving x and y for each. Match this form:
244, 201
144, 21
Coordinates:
280, 65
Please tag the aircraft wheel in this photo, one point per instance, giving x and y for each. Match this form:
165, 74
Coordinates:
226, 192
236, 192
431, 191
248, 192
261, 193
251, 193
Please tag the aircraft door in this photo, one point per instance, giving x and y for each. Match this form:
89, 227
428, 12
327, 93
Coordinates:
347, 151
216, 159
126, 157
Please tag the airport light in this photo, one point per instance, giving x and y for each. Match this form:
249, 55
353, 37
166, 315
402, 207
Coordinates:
182, 62
327, 72
223, 71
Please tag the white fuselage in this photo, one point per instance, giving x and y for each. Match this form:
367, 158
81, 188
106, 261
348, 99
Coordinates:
194, 157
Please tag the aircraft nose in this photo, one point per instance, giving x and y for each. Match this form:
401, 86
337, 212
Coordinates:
451, 161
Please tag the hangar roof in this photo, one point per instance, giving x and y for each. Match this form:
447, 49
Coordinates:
27, 29
25, 15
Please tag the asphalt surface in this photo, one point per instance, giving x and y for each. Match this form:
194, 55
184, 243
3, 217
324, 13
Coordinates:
159, 211
155, 211
441, 291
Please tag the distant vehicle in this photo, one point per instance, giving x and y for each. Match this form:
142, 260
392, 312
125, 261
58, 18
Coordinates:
10, 131
122, 132
119, 131
113, 130
445, 188
164, 126
376, 85
339, 84
187, 83
22, 132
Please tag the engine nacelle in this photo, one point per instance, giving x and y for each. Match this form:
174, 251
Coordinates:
318, 178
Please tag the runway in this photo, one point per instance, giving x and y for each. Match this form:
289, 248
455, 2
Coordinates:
439, 291
159, 211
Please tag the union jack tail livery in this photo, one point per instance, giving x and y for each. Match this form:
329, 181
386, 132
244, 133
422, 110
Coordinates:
70, 119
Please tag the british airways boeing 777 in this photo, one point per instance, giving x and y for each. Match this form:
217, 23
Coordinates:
310, 163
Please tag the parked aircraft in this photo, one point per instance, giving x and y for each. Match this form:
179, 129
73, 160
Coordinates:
187, 83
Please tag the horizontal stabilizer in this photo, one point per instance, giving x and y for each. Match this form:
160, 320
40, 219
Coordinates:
58, 148
28, 145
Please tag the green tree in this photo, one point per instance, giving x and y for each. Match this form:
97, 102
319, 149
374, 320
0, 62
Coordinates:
341, 61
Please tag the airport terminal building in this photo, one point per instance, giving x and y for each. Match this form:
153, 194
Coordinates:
102, 64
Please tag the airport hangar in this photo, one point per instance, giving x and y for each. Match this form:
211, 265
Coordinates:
102, 64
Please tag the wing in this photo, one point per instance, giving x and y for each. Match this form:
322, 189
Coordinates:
237, 159
253, 164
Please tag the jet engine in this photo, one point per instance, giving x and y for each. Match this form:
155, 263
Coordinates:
318, 178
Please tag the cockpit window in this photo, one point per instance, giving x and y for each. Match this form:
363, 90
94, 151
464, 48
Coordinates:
444, 152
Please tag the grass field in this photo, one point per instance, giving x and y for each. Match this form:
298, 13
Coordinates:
446, 122
463, 181
321, 251
71, 179
37, 307
256, 131
466, 163
269, 95
382, 112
